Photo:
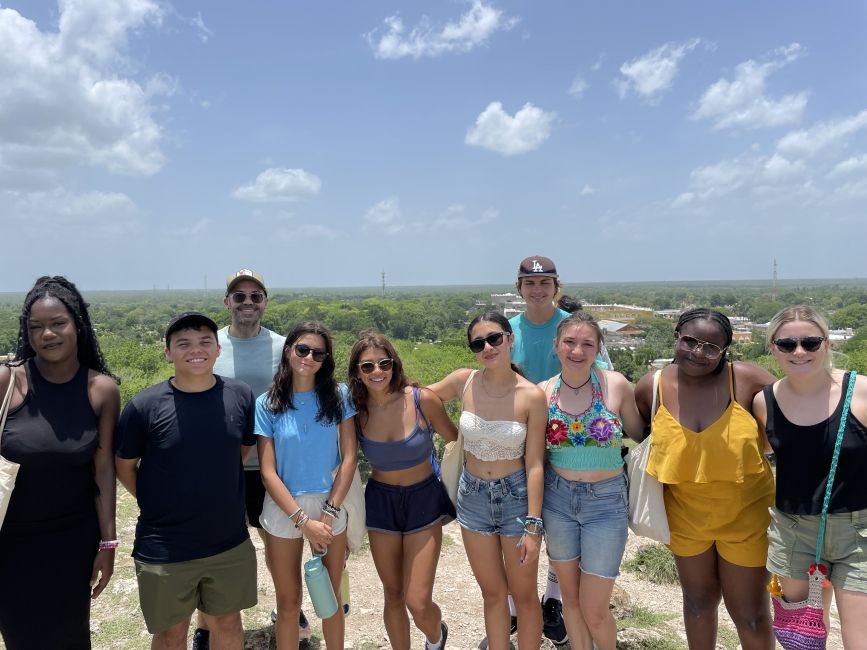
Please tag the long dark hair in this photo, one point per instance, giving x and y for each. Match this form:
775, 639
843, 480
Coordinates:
327, 393
58, 287
503, 322
720, 319
368, 339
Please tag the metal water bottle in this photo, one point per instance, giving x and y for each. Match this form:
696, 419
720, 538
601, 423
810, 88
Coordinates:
319, 587
344, 590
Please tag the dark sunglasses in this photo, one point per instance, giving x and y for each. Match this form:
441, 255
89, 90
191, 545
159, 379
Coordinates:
697, 346
494, 339
368, 367
256, 296
809, 343
302, 351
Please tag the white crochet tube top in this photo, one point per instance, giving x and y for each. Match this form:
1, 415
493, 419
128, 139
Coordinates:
492, 439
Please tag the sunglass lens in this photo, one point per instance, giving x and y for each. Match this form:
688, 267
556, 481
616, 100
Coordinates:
811, 343
386, 364
494, 339
367, 367
302, 350
786, 345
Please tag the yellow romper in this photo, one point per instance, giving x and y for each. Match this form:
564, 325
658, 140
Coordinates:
718, 485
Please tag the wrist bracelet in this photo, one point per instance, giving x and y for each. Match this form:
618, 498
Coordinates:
330, 509
302, 519
108, 546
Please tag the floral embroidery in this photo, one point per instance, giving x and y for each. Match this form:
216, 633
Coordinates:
556, 433
596, 427
577, 426
601, 429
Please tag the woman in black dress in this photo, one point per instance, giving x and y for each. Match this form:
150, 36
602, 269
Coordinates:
58, 539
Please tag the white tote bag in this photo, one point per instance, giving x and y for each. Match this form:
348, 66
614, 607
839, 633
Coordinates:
647, 516
451, 467
8, 469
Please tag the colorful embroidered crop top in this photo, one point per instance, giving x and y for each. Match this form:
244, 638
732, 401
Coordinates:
583, 441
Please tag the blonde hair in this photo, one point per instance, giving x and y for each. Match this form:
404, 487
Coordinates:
797, 313
801, 313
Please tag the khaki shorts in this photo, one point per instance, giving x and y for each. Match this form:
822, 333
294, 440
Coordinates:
220, 584
792, 547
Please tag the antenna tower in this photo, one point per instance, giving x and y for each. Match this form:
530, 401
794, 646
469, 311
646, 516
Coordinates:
774, 292
383, 284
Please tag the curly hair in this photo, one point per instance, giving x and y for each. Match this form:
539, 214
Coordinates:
327, 393
368, 339
59, 288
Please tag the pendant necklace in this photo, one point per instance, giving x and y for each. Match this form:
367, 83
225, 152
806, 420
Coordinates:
488, 393
576, 388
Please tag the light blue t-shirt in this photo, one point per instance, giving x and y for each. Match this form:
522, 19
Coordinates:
254, 361
307, 451
534, 347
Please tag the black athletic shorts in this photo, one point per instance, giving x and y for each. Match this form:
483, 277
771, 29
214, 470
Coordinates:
407, 509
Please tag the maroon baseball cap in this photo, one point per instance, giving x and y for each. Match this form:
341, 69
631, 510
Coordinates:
537, 266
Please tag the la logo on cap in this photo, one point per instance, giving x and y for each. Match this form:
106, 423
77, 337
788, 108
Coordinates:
244, 272
537, 268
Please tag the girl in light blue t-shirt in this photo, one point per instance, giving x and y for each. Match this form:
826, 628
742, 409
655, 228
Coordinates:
304, 422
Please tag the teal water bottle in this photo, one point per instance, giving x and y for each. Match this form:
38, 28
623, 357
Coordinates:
319, 587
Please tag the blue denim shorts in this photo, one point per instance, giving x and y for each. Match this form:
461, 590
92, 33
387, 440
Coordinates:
587, 521
493, 507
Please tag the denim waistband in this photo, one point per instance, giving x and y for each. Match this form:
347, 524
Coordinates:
475, 483
553, 479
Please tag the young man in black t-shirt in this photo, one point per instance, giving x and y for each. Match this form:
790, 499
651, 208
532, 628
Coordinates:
180, 446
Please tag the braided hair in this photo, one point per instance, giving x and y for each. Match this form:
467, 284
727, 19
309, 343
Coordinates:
720, 319
58, 287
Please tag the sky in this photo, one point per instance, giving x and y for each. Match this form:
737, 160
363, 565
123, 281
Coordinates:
149, 144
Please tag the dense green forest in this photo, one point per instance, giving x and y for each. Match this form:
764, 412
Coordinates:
428, 324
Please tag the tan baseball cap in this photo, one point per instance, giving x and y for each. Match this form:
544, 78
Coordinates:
244, 274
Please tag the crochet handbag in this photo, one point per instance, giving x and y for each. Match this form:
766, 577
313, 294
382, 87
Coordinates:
8, 469
647, 516
801, 625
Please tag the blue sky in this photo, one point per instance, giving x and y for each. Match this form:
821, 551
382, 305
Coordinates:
144, 143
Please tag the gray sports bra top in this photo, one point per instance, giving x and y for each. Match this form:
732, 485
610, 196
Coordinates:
399, 454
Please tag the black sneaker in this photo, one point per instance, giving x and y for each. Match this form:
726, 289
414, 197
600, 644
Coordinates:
201, 639
553, 626
513, 627
445, 634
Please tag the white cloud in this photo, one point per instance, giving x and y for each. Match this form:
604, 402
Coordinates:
385, 216
578, 87
472, 29
455, 219
777, 168
824, 134
63, 100
587, 190
59, 213
849, 166
597, 65
498, 131
202, 29
652, 74
741, 102
276, 184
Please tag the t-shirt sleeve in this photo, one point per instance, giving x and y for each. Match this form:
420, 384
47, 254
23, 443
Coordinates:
348, 406
249, 437
264, 419
132, 430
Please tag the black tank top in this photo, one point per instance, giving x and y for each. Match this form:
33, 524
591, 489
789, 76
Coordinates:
804, 459
53, 435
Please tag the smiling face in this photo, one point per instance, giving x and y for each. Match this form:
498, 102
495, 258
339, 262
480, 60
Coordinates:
491, 355
193, 351
51, 330
801, 361
379, 379
691, 353
305, 366
538, 292
577, 347
246, 313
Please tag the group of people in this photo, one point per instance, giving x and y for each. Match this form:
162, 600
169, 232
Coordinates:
542, 426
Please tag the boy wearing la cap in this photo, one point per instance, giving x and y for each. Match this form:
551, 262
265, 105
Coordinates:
180, 446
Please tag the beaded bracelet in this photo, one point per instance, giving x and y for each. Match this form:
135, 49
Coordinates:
330, 509
108, 546
302, 519
533, 521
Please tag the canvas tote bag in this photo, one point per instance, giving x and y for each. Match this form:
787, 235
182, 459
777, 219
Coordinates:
8, 469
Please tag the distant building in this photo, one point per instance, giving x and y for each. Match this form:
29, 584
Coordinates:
508, 304
670, 314
617, 328
615, 311
741, 336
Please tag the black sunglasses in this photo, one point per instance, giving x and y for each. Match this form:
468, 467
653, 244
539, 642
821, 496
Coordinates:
494, 339
302, 351
368, 367
239, 296
809, 343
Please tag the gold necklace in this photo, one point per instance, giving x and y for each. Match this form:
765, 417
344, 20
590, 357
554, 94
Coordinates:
488, 393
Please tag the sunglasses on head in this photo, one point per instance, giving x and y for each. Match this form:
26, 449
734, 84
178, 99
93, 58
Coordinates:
302, 350
240, 296
494, 339
368, 367
809, 343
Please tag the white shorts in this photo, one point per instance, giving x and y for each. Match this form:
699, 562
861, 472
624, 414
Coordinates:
277, 522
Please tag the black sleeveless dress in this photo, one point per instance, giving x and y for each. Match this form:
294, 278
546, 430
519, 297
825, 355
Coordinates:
49, 538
